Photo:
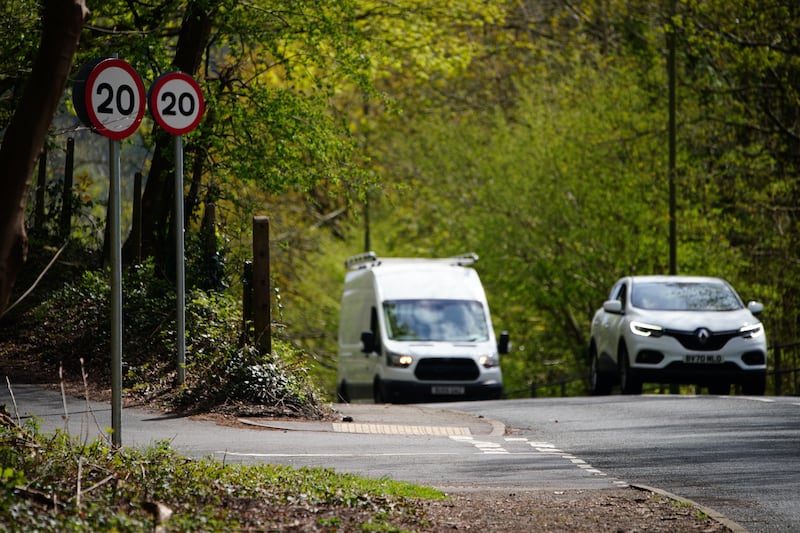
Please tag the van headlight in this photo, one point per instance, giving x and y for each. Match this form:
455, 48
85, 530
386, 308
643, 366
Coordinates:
398, 360
489, 361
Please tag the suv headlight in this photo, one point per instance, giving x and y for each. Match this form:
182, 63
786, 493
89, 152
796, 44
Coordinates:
751, 331
489, 361
646, 330
398, 360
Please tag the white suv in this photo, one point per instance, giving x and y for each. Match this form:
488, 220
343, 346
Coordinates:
677, 329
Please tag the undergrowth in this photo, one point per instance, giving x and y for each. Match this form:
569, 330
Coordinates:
56, 483
70, 330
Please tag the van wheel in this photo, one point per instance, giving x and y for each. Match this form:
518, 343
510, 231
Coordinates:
378, 394
341, 393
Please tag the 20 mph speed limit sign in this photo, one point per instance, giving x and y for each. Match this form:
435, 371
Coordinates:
109, 97
176, 102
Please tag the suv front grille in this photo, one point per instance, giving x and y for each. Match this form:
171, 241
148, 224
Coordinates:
713, 342
447, 369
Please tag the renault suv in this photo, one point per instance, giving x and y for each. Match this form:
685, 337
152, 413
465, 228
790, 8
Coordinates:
677, 330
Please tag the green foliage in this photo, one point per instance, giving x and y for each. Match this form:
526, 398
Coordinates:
558, 177
19, 40
532, 133
54, 483
531, 190
223, 372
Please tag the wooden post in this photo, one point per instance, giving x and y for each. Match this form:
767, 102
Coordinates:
38, 219
136, 227
247, 301
66, 195
261, 296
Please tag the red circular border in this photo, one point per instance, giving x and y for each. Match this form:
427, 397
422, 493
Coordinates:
96, 71
153, 98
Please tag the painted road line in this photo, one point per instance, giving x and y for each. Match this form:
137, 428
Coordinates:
393, 429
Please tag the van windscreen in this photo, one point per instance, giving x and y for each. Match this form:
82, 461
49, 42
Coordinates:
435, 320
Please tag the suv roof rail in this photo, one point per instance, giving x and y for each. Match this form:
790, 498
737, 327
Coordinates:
371, 259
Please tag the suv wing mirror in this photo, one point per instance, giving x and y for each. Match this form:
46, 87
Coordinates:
613, 306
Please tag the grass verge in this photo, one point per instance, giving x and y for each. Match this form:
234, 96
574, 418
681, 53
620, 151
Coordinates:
55, 483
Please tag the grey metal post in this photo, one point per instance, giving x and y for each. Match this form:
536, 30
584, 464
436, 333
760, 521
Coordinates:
114, 211
180, 282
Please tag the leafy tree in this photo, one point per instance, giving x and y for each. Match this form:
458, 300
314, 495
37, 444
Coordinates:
27, 130
741, 67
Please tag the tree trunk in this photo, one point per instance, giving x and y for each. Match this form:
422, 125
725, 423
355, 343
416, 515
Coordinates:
157, 200
62, 22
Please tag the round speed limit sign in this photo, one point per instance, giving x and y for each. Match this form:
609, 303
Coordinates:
109, 97
176, 102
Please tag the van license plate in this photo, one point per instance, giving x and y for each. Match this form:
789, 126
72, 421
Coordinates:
704, 359
447, 390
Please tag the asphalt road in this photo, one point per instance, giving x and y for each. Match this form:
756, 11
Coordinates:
429, 446
736, 455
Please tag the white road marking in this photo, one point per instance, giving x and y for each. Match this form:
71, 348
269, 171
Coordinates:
541, 449
393, 429
285, 455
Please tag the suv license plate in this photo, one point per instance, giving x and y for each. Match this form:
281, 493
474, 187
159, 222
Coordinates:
447, 390
703, 359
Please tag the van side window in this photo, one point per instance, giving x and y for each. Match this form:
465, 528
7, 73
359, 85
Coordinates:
375, 328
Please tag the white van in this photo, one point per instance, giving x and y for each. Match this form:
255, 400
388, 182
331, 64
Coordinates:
415, 330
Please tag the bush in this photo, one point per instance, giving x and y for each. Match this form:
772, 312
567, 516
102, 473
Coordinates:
223, 373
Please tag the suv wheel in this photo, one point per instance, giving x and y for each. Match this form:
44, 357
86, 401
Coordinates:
627, 379
599, 383
755, 386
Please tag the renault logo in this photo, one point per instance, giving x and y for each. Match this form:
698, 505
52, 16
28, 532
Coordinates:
703, 335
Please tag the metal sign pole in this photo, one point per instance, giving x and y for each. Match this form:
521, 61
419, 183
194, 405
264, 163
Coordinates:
177, 105
180, 274
116, 292
109, 98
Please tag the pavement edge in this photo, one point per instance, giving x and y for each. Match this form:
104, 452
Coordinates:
715, 515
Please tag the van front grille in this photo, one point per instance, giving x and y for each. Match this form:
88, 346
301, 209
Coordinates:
447, 369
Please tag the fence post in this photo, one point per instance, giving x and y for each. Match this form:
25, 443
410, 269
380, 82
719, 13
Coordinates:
41, 184
66, 196
136, 226
261, 291
247, 300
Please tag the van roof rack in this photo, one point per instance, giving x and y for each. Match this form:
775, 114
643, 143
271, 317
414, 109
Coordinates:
371, 259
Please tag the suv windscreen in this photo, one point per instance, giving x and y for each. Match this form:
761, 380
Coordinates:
684, 296
435, 320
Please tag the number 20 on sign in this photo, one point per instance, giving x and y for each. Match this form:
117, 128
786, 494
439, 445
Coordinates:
176, 102
109, 97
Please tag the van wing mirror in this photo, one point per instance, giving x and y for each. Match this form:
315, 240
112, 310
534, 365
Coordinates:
368, 341
503, 344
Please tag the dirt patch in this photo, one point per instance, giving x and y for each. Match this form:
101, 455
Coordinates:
614, 510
